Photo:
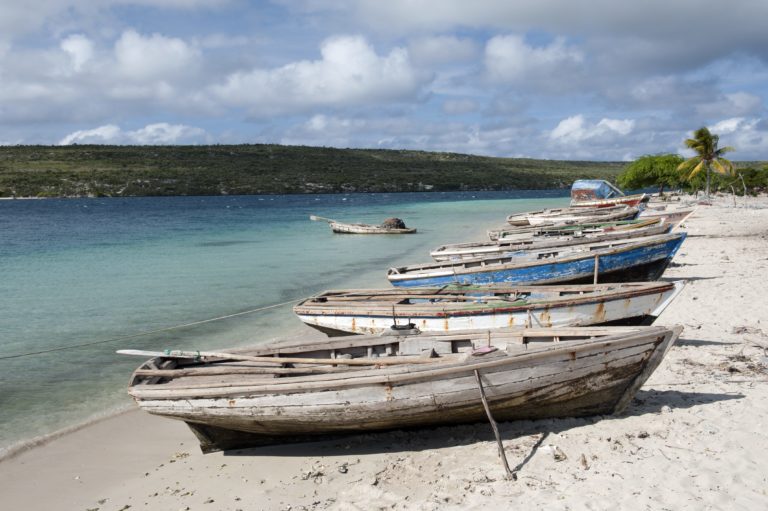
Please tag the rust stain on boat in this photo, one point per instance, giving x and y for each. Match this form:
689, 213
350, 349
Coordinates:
354, 326
600, 313
388, 392
545, 318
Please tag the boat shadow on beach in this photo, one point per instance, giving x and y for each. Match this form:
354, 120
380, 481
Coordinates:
422, 439
687, 279
702, 342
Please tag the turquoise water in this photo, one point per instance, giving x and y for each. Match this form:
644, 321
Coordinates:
81, 274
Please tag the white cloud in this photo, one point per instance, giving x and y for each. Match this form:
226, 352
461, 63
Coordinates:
152, 134
141, 58
509, 59
164, 133
349, 73
748, 137
80, 50
575, 129
728, 125
106, 134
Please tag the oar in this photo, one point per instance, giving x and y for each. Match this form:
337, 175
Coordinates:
279, 360
316, 218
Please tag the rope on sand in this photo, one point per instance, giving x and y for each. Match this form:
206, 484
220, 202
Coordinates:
148, 332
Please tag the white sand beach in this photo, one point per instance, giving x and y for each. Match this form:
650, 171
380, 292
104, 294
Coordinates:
695, 437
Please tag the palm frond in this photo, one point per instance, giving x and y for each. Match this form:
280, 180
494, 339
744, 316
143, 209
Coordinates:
723, 150
722, 166
696, 170
687, 164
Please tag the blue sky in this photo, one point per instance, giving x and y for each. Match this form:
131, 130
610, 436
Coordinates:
555, 79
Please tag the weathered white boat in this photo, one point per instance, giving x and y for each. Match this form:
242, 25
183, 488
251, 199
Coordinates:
357, 228
454, 308
597, 193
670, 213
275, 393
554, 223
571, 215
552, 237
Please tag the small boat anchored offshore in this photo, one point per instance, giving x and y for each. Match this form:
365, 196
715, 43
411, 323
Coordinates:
389, 226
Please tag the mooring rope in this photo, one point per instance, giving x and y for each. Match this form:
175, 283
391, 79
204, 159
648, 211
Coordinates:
148, 332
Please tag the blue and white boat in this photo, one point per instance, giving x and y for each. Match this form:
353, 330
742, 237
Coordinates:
626, 260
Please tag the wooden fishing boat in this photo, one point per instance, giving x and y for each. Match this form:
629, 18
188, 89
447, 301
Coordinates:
597, 193
554, 216
453, 308
357, 228
671, 213
279, 393
554, 222
631, 260
552, 237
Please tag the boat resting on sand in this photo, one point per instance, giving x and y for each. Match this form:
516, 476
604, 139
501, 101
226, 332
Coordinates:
597, 193
551, 238
357, 228
668, 213
627, 260
280, 393
571, 215
455, 308
553, 223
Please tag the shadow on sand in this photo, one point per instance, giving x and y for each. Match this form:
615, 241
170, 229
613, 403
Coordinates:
687, 279
646, 402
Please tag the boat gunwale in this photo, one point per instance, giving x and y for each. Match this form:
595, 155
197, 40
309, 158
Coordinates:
639, 289
459, 267
395, 375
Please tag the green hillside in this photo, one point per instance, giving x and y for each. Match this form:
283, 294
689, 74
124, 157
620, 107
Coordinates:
99, 170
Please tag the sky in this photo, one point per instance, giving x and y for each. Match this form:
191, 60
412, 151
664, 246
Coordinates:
605, 80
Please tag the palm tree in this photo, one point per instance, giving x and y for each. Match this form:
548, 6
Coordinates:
708, 156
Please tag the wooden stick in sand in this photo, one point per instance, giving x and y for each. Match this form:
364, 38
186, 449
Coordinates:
281, 360
510, 475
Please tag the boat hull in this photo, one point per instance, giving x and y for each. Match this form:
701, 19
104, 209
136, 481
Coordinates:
503, 247
341, 228
559, 380
640, 307
533, 223
629, 263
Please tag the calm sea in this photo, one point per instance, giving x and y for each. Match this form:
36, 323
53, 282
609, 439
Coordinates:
82, 274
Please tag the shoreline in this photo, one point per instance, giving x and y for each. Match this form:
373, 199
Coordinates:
563, 191
22, 446
687, 440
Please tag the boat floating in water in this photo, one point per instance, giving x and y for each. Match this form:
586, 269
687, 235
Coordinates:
303, 391
454, 308
389, 226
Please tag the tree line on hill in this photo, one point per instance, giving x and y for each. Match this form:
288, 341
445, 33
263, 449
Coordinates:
123, 171
98, 170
